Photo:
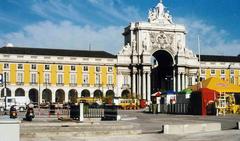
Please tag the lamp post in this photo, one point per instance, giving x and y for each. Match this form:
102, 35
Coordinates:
39, 92
229, 68
5, 93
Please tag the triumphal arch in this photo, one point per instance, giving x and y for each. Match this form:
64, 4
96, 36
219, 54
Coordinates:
154, 56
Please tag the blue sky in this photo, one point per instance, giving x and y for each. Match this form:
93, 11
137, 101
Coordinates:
74, 24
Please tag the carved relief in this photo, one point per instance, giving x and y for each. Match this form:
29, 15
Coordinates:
161, 40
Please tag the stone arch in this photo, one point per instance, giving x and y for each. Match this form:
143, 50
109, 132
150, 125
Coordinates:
72, 96
162, 71
47, 95
110, 93
19, 92
85, 93
60, 96
33, 95
98, 93
8, 92
126, 94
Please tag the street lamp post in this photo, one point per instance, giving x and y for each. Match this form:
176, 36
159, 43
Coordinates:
39, 92
5, 93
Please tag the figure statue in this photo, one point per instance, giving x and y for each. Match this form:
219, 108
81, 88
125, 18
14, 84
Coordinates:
160, 9
168, 17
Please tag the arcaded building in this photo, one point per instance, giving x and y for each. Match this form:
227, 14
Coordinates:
154, 57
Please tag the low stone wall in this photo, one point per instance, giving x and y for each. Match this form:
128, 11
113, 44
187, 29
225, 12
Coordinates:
191, 128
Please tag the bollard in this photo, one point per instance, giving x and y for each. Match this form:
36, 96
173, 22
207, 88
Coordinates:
81, 118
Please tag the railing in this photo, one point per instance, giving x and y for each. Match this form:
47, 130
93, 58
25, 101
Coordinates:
20, 83
110, 86
93, 112
33, 83
97, 85
47, 84
59, 84
85, 85
72, 84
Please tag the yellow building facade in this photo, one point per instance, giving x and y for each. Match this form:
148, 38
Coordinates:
59, 75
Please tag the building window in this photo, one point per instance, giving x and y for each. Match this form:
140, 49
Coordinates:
60, 67
6, 66
20, 66
98, 69
231, 71
223, 72
60, 78
110, 79
73, 78
232, 79
33, 78
98, 81
213, 71
203, 71
47, 67
33, 66
85, 68
110, 69
47, 78
73, 68
7, 77
20, 77
85, 79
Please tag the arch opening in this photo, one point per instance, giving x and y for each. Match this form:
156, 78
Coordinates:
8, 92
19, 92
47, 96
60, 96
98, 94
162, 71
85, 93
126, 94
72, 96
110, 93
33, 95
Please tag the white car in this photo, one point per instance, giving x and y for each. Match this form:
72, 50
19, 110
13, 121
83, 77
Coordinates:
20, 103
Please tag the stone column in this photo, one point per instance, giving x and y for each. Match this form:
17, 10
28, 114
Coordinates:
179, 82
187, 81
134, 84
139, 85
174, 81
148, 86
144, 85
183, 81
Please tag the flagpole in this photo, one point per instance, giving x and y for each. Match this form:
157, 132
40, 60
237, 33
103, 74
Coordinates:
199, 58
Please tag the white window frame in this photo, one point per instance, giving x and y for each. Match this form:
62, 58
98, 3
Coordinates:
73, 78
224, 72
97, 69
60, 81
32, 66
20, 79
87, 76
8, 66
214, 72
60, 67
125, 79
232, 71
72, 69
48, 68
7, 76
110, 69
31, 77
86, 68
110, 81
99, 77
20, 68
203, 71
47, 81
